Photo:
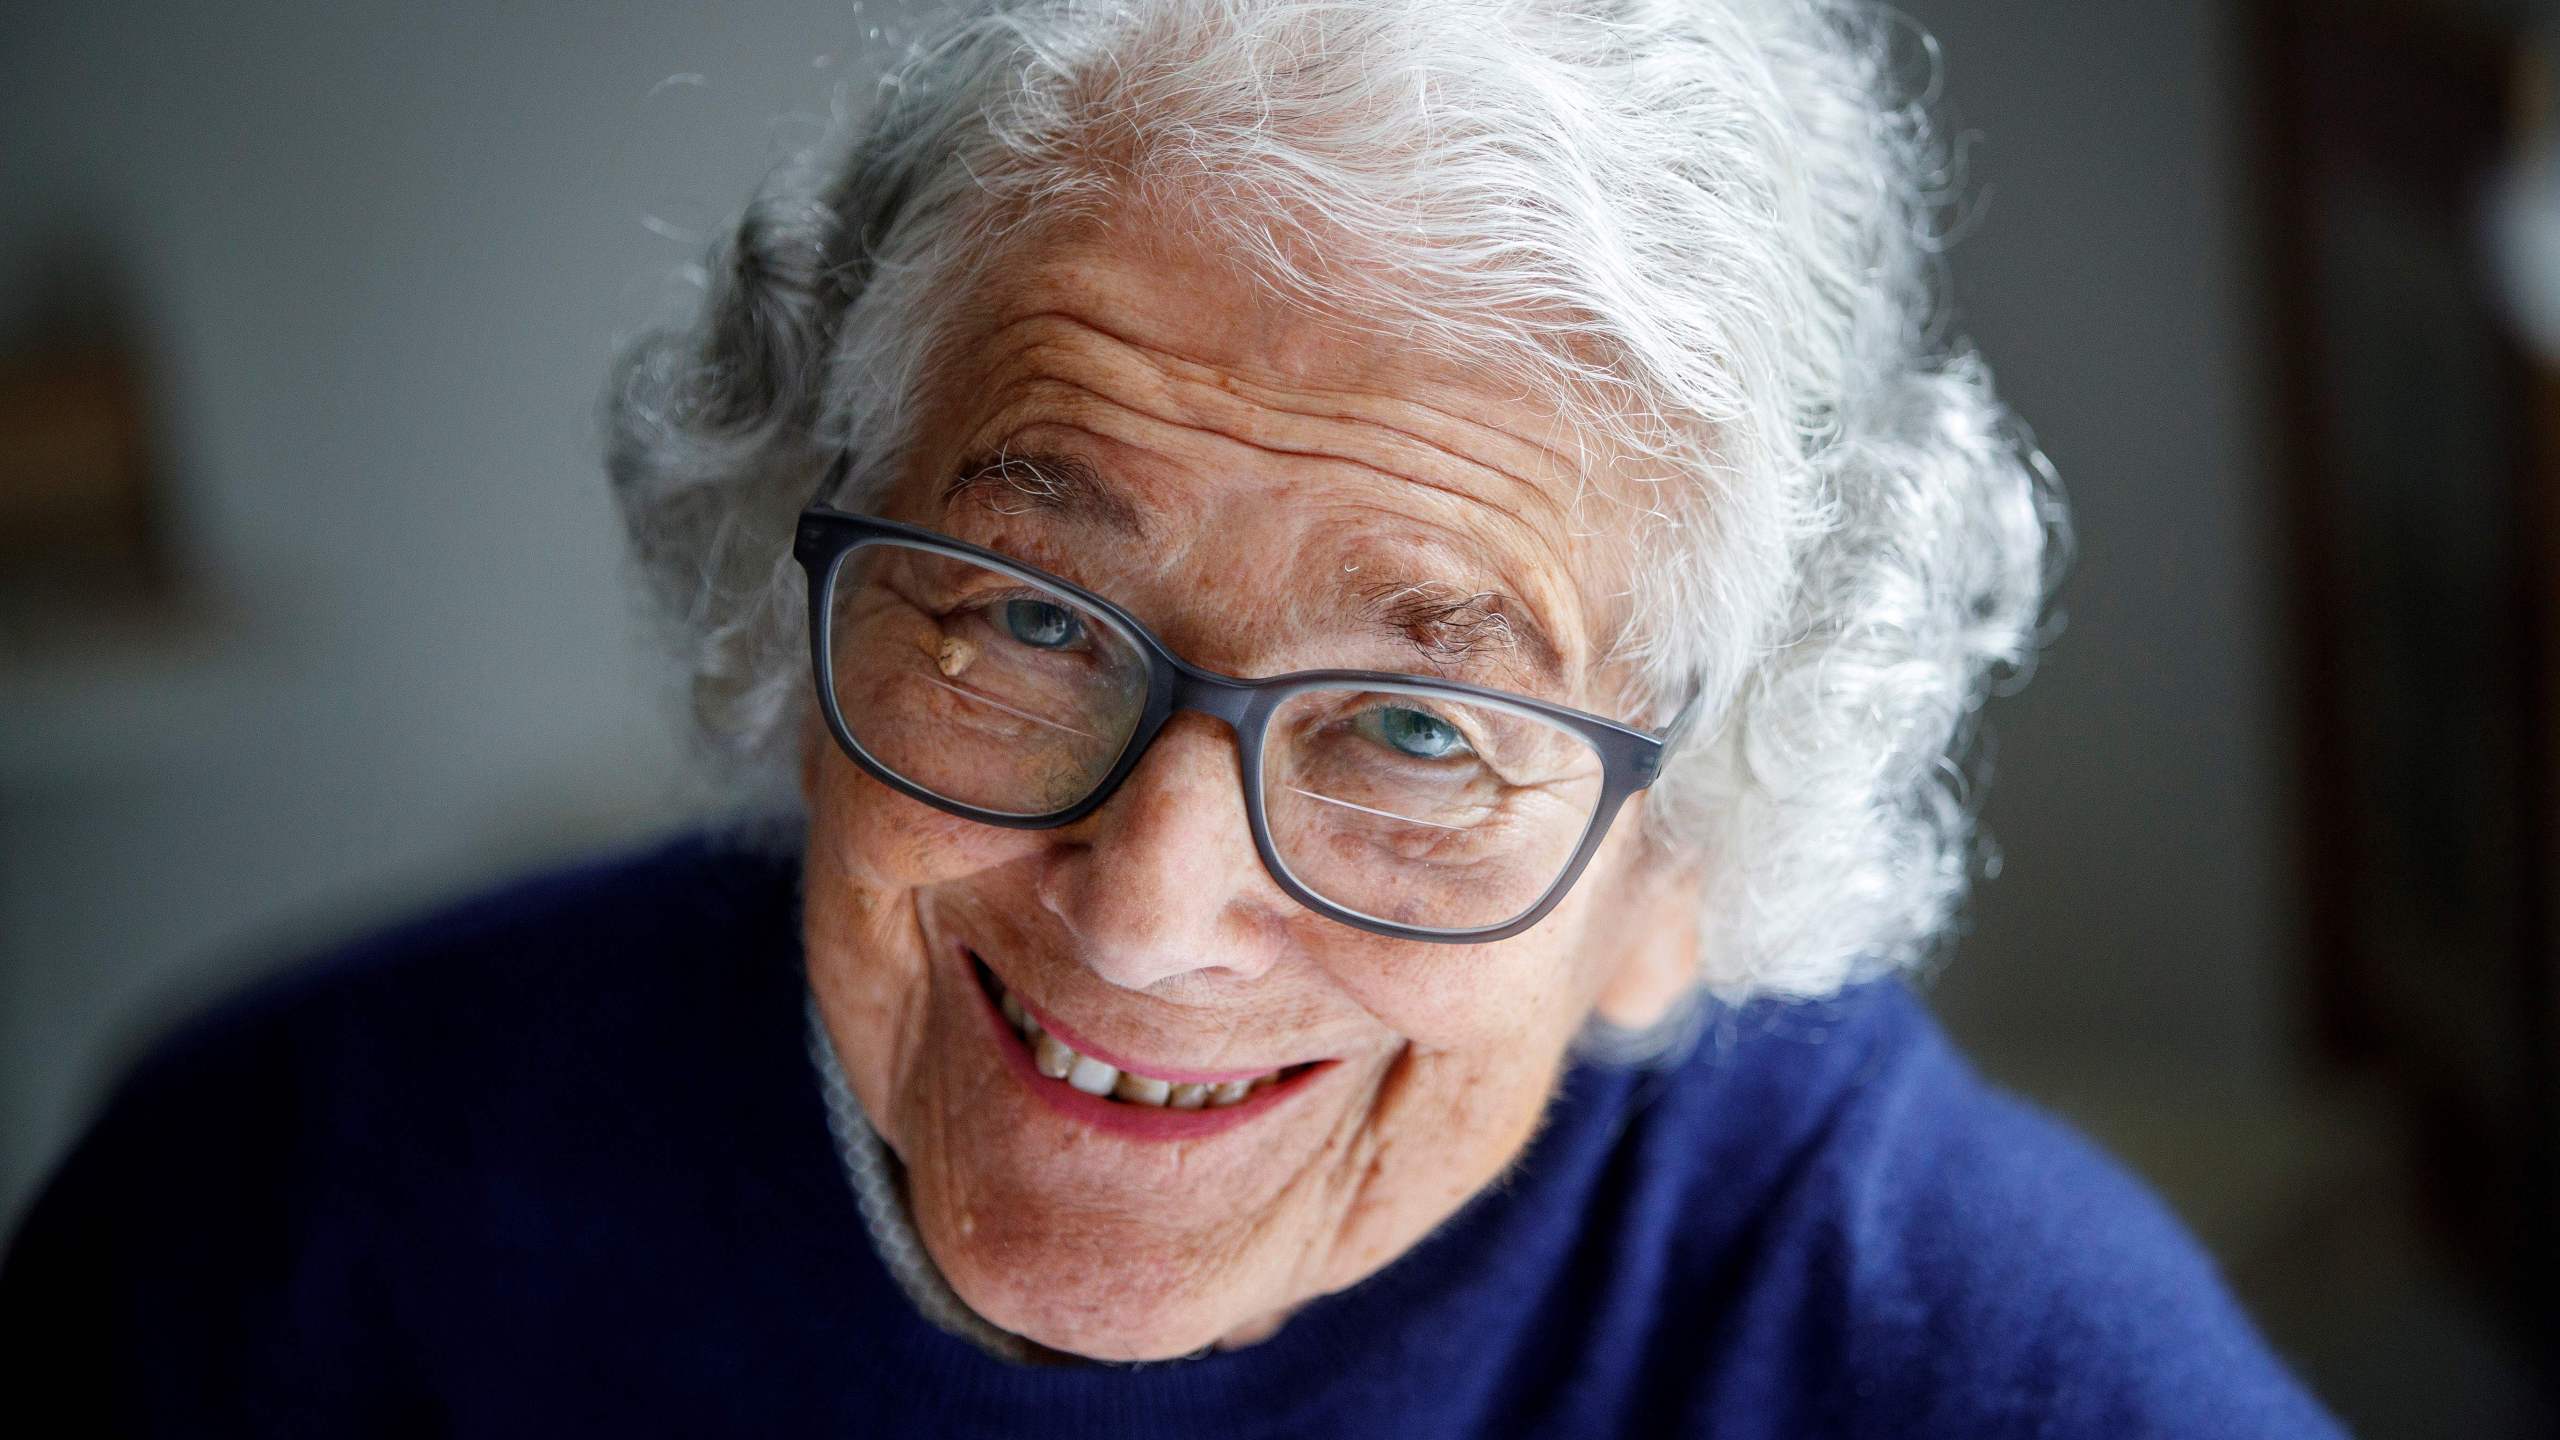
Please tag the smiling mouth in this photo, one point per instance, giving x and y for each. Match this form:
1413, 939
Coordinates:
1058, 1061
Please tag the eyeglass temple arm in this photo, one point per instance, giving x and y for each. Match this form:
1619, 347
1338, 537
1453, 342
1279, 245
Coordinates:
1677, 731
834, 477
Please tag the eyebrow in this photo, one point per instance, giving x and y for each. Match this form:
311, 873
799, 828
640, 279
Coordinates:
1450, 626
1010, 483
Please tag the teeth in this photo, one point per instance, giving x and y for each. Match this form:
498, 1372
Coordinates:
1052, 1058
1144, 1089
1092, 1076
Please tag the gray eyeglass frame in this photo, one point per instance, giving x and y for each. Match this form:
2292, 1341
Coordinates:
1630, 759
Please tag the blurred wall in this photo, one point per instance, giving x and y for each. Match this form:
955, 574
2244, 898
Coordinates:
380, 256
2140, 914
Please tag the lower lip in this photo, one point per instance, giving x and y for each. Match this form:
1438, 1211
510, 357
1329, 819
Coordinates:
1140, 1122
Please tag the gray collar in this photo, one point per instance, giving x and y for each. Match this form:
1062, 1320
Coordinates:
879, 1192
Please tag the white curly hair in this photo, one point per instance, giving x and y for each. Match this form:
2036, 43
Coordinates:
1703, 232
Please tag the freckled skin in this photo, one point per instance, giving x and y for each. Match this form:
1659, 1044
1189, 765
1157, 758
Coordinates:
1269, 452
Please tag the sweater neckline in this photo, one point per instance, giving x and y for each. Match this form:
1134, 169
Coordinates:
880, 1194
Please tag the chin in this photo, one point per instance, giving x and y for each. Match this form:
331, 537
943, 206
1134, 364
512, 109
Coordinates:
1095, 1308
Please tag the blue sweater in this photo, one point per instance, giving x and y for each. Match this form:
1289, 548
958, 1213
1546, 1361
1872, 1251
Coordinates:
555, 1162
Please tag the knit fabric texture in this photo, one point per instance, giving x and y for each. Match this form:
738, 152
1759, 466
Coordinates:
556, 1162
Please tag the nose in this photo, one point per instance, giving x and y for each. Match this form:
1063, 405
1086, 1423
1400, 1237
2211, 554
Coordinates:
1163, 880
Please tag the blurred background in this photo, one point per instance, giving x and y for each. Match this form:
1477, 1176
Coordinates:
312, 614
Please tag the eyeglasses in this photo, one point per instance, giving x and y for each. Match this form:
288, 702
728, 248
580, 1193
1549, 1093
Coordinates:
1407, 806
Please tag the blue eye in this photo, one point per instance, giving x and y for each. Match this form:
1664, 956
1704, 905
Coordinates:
1041, 624
1417, 733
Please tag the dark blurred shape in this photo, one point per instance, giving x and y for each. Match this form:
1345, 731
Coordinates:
2419, 455
82, 524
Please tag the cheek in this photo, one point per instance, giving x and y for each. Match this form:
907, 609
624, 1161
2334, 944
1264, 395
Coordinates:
871, 851
1443, 1124
1489, 1027
1476, 999
884, 843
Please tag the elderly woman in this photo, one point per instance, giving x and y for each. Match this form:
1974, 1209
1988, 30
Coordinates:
1344, 625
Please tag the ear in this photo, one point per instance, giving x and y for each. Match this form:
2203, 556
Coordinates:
1654, 935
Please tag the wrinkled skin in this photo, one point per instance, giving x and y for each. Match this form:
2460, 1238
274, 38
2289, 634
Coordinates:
1271, 458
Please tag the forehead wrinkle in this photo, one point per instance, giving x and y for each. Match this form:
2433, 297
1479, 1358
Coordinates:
1040, 390
1033, 389
1052, 366
1454, 627
1207, 392
1269, 392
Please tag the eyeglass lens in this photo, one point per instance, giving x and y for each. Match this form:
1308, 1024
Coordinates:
1403, 804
